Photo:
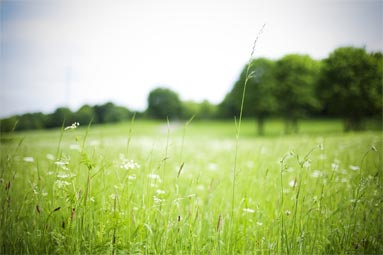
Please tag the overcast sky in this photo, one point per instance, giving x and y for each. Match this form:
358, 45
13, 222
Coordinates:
68, 53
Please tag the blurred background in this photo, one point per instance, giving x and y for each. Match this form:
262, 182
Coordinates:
108, 60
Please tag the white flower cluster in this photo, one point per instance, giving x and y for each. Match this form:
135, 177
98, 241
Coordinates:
128, 164
73, 126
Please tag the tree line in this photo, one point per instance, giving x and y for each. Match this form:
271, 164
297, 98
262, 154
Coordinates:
347, 84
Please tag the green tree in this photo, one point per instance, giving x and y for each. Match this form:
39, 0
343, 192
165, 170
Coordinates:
201, 110
60, 115
260, 101
8, 124
109, 112
31, 121
163, 103
84, 115
351, 85
296, 77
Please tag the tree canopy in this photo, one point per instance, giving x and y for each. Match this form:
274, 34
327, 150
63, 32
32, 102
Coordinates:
164, 103
260, 101
351, 85
296, 77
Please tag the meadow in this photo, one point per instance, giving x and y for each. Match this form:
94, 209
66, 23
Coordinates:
146, 187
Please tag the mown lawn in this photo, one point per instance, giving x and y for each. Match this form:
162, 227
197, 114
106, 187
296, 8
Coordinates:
155, 188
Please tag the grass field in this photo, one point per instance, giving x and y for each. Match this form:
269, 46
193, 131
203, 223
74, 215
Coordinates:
187, 188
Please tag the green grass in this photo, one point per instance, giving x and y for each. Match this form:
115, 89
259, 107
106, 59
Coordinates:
152, 188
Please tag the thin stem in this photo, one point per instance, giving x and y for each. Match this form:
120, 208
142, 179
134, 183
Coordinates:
238, 125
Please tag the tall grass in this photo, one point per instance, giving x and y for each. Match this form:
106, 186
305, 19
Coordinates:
107, 199
131, 189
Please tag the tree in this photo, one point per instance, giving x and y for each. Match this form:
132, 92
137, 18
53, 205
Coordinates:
85, 114
201, 110
109, 112
31, 121
296, 77
260, 101
9, 124
351, 85
60, 115
163, 103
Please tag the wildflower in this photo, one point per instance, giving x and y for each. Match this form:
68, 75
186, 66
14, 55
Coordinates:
29, 159
334, 166
293, 183
50, 157
248, 210
354, 168
157, 200
316, 174
113, 196
259, 223
154, 176
307, 164
127, 165
73, 126
65, 175
160, 192
61, 163
131, 177
61, 183
288, 212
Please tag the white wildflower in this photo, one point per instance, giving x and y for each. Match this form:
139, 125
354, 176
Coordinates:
127, 165
154, 176
248, 210
160, 192
334, 166
50, 157
113, 196
307, 164
65, 175
293, 183
288, 212
29, 159
316, 174
354, 168
259, 223
73, 126
61, 183
131, 177
157, 200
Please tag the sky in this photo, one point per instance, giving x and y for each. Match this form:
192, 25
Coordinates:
73, 52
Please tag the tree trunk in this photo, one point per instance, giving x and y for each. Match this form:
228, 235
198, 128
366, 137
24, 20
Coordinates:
261, 122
